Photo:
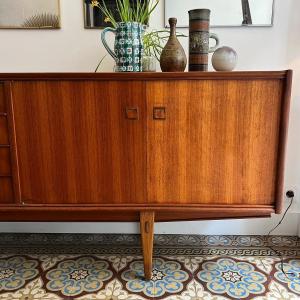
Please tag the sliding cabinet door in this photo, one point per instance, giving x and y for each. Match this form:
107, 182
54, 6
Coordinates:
213, 141
80, 142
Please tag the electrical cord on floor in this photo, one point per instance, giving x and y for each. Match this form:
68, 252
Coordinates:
289, 195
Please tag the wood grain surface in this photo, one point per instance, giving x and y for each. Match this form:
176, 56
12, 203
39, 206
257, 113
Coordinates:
147, 236
218, 144
75, 144
96, 213
147, 76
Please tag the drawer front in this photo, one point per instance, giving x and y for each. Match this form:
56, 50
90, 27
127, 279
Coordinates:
2, 99
6, 179
4, 139
6, 190
5, 163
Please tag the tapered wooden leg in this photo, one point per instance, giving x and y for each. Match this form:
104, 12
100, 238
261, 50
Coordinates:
147, 233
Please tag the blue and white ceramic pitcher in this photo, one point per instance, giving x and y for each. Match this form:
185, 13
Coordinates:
128, 50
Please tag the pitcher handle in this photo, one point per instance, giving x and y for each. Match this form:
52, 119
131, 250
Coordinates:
103, 39
216, 38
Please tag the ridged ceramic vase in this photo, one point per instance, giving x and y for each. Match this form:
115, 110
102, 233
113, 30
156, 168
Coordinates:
199, 36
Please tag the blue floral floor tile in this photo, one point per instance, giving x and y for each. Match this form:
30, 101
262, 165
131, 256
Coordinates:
73, 277
233, 278
169, 277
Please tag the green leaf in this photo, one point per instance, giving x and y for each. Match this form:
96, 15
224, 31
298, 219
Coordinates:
100, 63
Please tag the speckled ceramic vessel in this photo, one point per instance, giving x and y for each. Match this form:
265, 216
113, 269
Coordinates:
224, 59
173, 58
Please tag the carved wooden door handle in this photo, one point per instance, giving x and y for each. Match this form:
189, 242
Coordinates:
132, 113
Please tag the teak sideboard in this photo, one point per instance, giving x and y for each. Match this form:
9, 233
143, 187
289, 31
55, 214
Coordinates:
142, 146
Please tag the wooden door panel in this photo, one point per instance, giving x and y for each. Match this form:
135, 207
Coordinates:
218, 144
75, 145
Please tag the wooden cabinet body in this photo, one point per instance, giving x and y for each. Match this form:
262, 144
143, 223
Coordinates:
98, 147
117, 147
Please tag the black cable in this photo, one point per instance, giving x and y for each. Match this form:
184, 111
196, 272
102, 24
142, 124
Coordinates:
283, 217
290, 195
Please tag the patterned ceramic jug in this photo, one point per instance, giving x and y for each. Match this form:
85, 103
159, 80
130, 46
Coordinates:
128, 46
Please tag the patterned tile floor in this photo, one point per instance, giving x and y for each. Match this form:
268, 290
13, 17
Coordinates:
110, 267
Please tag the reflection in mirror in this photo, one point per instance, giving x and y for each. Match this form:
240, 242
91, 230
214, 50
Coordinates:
30, 14
223, 12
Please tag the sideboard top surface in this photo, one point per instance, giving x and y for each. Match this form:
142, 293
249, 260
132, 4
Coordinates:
147, 76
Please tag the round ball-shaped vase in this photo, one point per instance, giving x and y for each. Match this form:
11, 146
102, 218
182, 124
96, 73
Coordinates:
224, 59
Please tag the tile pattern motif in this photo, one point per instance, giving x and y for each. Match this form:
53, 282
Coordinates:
45, 271
73, 277
15, 271
234, 278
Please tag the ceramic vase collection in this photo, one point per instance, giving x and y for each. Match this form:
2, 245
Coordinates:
128, 47
128, 50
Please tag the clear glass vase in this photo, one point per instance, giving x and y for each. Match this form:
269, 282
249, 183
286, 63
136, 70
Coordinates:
149, 63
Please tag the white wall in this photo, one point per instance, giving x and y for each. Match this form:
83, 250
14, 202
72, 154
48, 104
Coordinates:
293, 60
73, 49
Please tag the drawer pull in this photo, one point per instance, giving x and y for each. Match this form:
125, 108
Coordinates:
159, 113
132, 113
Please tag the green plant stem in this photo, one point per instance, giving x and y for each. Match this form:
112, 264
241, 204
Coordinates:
98, 66
139, 13
154, 42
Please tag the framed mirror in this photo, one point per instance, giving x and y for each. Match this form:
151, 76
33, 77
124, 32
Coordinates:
224, 13
94, 18
29, 14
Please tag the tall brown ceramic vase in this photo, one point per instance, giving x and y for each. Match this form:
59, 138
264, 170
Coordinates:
173, 58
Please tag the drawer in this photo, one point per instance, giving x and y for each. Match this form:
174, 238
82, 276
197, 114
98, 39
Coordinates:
6, 190
5, 163
2, 99
4, 140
